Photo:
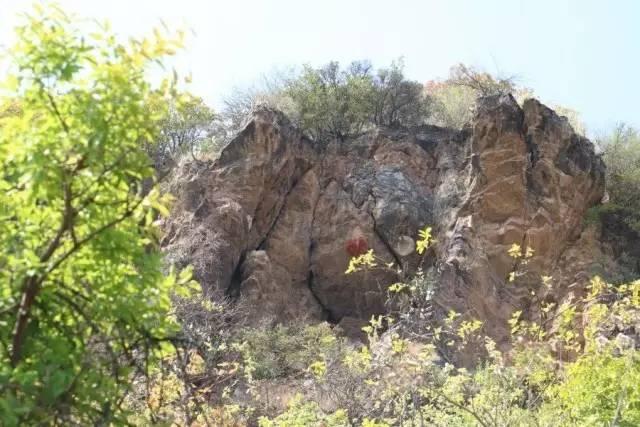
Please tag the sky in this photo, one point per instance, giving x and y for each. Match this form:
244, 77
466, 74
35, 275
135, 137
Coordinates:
583, 54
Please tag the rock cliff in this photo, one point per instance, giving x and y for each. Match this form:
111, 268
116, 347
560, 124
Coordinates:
269, 220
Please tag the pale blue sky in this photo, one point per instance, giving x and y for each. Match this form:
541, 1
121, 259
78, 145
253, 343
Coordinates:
581, 53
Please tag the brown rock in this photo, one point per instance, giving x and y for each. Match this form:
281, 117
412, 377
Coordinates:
272, 217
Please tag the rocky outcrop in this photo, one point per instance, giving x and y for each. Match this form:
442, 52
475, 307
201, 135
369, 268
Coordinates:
269, 220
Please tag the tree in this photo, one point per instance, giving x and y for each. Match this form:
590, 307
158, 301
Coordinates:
187, 127
481, 82
398, 101
332, 103
621, 154
455, 97
452, 106
84, 305
269, 91
453, 100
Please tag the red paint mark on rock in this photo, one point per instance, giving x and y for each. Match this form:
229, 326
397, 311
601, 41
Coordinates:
356, 246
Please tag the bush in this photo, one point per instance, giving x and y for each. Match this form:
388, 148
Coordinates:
287, 350
601, 388
404, 377
303, 414
524, 386
179, 390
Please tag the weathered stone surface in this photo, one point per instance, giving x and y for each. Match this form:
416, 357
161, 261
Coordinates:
270, 219
522, 187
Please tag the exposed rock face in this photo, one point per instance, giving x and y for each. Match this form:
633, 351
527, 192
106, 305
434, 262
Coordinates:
271, 217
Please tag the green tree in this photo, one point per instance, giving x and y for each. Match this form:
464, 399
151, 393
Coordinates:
601, 389
398, 101
332, 103
621, 154
186, 129
83, 301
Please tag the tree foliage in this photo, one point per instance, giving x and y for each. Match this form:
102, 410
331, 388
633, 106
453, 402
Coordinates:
454, 98
396, 100
332, 102
621, 153
268, 91
481, 82
83, 301
186, 129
